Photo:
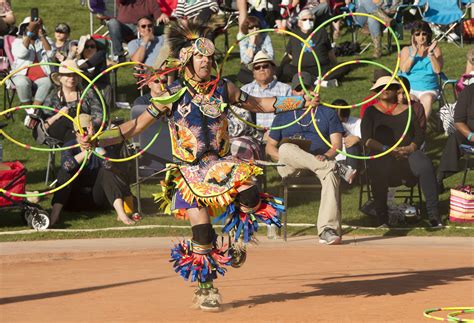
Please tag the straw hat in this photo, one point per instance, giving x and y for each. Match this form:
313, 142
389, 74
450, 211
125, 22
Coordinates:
382, 81
84, 121
261, 57
64, 70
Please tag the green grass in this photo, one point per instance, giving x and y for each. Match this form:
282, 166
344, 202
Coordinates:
303, 207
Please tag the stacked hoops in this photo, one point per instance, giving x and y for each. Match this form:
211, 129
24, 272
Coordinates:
452, 316
91, 84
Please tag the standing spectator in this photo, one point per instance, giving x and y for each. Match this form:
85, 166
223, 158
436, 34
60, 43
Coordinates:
375, 28
124, 27
406, 163
421, 63
91, 56
318, 159
31, 46
265, 85
464, 124
250, 46
7, 18
146, 47
201, 10
61, 44
320, 43
65, 97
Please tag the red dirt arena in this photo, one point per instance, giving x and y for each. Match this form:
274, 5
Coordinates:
367, 279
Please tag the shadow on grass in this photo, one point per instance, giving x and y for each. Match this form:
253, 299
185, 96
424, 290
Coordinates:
33, 297
369, 285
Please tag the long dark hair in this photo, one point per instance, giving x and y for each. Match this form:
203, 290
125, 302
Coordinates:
422, 26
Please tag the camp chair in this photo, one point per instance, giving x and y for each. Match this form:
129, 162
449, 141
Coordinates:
103, 10
7, 59
444, 14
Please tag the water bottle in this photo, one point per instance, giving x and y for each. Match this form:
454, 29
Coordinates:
271, 231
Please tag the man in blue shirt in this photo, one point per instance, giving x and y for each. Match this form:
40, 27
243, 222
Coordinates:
299, 147
146, 47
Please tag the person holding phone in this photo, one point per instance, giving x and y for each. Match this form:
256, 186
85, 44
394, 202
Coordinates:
421, 62
32, 46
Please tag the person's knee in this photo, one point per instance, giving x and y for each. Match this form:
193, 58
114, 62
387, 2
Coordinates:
113, 25
287, 151
203, 233
250, 197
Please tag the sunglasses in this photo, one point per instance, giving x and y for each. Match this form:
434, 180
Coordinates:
84, 131
299, 88
421, 33
149, 26
259, 67
89, 46
306, 19
61, 31
158, 81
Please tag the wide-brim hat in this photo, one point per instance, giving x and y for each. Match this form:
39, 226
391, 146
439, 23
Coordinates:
84, 121
384, 80
64, 70
260, 57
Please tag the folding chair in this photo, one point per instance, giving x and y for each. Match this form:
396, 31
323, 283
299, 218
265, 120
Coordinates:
444, 13
408, 194
9, 90
303, 181
105, 9
156, 157
467, 152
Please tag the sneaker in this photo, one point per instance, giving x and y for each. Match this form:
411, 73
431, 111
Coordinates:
330, 83
435, 223
330, 237
347, 173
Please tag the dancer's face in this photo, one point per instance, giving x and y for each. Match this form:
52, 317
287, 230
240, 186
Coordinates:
202, 66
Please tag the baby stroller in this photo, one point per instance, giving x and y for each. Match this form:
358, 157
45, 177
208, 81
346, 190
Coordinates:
13, 179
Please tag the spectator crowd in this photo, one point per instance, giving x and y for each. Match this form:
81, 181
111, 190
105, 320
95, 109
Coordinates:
135, 33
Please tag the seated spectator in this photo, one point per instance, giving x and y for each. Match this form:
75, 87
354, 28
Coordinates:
406, 164
375, 28
31, 46
96, 185
61, 44
351, 137
464, 124
91, 56
146, 47
7, 18
124, 27
200, 10
250, 46
283, 146
320, 43
156, 88
265, 85
65, 97
421, 63
378, 73
468, 77
319, 9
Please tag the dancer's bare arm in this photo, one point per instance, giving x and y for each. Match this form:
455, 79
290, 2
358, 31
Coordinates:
262, 105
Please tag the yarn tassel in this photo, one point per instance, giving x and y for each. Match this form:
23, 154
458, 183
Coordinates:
200, 267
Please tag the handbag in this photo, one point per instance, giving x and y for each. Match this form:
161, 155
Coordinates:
461, 204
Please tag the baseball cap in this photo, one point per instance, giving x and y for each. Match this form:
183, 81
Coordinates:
307, 80
63, 28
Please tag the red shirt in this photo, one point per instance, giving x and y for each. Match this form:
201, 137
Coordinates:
167, 6
368, 104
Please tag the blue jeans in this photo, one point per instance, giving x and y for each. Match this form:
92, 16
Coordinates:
367, 6
119, 32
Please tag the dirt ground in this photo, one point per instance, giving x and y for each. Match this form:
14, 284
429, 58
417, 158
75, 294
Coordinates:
370, 279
